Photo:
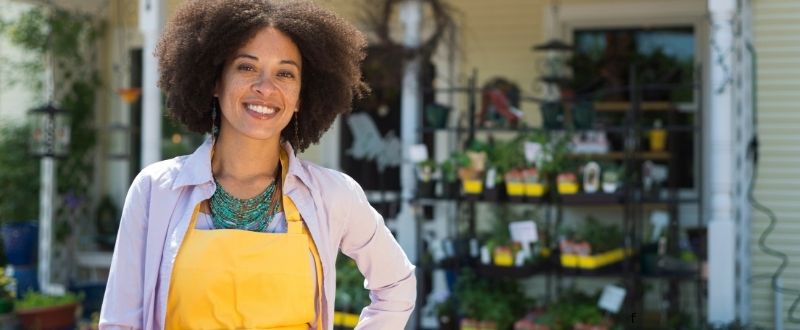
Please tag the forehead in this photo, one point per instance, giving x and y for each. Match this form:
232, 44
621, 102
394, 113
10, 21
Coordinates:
270, 42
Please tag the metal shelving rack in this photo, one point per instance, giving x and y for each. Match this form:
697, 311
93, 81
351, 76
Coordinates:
632, 199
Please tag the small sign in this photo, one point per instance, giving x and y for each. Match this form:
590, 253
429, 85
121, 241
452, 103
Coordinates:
418, 153
532, 151
523, 231
612, 298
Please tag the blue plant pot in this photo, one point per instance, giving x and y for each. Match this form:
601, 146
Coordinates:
92, 296
20, 242
26, 279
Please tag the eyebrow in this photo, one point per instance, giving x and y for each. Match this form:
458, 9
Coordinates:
254, 58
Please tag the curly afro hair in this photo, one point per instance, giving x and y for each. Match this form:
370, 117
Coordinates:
204, 34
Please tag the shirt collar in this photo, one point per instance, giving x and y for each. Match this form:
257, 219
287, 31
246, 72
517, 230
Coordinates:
196, 169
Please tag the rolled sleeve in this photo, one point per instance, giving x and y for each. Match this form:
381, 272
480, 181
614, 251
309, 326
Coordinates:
123, 300
389, 275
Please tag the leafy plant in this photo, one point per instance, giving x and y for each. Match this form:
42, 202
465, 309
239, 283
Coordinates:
18, 174
500, 301
69, 38
32, 300
350, 293
601, 237
572, 308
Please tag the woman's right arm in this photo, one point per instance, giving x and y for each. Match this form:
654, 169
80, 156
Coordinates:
122, 303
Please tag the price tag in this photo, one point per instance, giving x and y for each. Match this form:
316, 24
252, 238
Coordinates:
523, 231
612, 298
532, 151
418, 153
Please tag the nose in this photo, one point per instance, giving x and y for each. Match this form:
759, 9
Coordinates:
263, 85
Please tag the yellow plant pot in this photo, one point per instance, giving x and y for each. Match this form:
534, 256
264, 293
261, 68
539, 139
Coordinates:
658, 139
594, 261
567, 188
503, 257
345, 319
515, 188
535, 189
472, 186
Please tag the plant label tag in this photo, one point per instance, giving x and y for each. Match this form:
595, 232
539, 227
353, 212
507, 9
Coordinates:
532, 151
418, 153
523, 231
491, 174
612, 298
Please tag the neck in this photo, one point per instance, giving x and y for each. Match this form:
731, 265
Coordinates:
245, 160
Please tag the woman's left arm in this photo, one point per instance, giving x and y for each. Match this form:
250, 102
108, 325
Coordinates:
389, 274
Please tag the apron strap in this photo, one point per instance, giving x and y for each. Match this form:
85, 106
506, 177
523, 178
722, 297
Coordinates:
294, 222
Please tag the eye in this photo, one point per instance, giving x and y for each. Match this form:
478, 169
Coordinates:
286, 74
245, 67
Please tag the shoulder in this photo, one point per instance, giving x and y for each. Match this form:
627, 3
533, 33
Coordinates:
331, 183
159, 175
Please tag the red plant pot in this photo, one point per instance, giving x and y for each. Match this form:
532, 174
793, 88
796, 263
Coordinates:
48, 318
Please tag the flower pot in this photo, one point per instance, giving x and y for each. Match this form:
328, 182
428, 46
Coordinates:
487, 325
450, 189
47, 318
472, 188
535, 189
19, 242
469, 324
27, 279
584, 326
658, 139
515, 190
567, 188
436, 115
425, 189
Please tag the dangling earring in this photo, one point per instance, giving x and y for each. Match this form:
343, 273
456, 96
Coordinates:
214, 128
296, 129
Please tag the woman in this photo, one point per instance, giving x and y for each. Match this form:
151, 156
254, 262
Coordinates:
241, 233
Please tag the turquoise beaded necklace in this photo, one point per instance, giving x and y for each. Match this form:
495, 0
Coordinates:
253, 214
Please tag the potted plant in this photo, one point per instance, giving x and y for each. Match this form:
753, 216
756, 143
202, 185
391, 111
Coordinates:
7, 296
471, 175
486, 304
612, 178
40, 311
425, 182
449, 170
446, 314
515, 184
20, 196
567, 183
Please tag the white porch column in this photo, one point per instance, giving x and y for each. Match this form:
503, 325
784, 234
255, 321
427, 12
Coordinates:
411, 101
721, 225
151, 20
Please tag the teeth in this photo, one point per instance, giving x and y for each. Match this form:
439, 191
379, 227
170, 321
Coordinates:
261, 109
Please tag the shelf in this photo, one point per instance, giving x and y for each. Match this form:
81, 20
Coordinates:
619, 155
513, 272
625, 106
593, 198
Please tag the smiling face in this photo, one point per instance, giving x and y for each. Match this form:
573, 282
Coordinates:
259, 89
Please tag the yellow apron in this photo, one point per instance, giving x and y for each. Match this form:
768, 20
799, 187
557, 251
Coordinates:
237, 279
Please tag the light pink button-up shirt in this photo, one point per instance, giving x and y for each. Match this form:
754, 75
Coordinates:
156, 216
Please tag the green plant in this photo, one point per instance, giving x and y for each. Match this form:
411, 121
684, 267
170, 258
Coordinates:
32, 300
602, 238
555, 152
69, 39
350, 293
507, 155
573, 307
425, 170
500, 301
19, 172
